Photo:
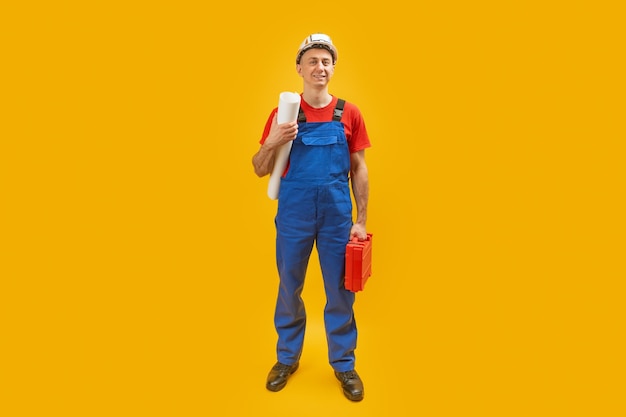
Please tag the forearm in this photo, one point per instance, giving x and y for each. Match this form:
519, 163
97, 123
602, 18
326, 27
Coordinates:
280, 134
360, 189
263, 160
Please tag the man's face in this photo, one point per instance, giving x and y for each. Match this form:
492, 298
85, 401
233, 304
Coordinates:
316, 67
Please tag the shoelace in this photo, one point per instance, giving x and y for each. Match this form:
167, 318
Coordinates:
282, 367
349, 375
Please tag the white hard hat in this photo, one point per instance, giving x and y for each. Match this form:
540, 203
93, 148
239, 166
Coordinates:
317, 40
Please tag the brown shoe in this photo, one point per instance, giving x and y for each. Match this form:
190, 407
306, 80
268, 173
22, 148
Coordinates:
278, 376
351, 384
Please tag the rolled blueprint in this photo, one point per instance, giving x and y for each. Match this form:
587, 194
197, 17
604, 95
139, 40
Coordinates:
288, 106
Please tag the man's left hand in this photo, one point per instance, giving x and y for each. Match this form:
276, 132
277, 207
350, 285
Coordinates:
358, 231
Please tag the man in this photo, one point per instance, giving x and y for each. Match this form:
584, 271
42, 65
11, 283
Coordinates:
315, 206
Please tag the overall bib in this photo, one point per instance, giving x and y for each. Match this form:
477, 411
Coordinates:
314, 206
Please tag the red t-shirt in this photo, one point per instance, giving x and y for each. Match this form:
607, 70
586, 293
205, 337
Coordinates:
352, 120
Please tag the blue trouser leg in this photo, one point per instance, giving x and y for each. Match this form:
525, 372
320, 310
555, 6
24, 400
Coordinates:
294, 241
333, 234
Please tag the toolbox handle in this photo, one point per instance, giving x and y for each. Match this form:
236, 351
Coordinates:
356, 239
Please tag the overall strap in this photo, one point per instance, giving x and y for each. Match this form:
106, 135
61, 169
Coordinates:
338, 112
301, 116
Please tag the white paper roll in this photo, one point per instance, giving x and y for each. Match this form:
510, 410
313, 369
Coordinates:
288, 106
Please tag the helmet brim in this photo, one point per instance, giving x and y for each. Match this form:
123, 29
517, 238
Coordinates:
317, 45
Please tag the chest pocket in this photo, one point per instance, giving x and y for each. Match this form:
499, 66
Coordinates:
311, 140
314, 157
319, 153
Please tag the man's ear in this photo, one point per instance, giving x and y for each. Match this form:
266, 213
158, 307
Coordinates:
299, 69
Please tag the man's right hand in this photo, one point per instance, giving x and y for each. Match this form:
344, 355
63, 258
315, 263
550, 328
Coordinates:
281, 133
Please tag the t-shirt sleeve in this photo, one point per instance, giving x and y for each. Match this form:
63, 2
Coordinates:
268, 125
359, 139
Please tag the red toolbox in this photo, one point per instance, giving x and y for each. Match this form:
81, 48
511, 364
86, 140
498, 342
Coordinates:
358, 263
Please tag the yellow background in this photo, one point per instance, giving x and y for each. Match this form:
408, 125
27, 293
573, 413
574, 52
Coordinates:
137, 259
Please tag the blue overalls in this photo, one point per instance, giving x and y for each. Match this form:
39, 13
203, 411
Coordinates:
314, 205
